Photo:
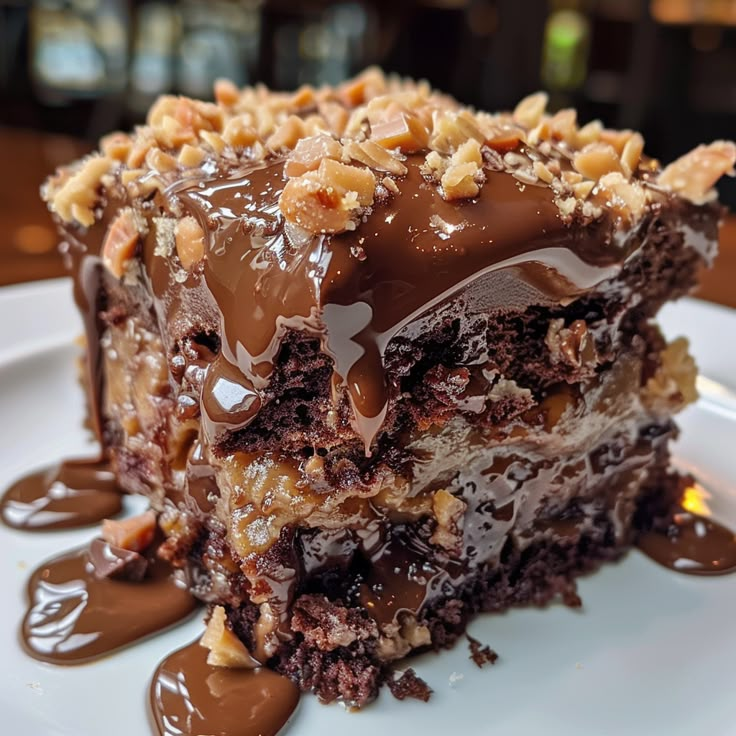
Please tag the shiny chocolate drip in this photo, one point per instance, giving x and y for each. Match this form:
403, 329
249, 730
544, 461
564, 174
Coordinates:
74, 616
691, 544
72, 494
403, 577
190, 697
358, 290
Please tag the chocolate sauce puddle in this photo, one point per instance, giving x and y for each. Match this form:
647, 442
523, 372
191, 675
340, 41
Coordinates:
190, 697
75, 617
691, 544
72, 494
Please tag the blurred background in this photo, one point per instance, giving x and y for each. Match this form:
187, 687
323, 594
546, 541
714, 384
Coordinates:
72, 70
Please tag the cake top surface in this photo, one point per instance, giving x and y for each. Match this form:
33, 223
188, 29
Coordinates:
350, 212
338, 144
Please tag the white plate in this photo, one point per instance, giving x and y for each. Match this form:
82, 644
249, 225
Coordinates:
651, 652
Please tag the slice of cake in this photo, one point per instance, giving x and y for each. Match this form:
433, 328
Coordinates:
381, 361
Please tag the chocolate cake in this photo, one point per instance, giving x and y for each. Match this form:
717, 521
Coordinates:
380, 361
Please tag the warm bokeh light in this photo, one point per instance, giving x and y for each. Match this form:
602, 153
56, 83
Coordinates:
695, 500
34, 238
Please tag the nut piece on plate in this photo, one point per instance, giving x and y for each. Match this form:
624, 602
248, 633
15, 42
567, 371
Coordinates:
226, 650
134, 534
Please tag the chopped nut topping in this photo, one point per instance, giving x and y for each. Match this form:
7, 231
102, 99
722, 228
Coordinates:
159, 161
285, 137
543, 172
530, 110
627, 198
226, 93
226, 650
452, 128
135, 533
458, 182
674, 379
239, 132
77, 196
589, 133
309, 152
116, 146
374, 156
190, 156
468, 152
562, 125
189, 242
694, 174
120, 242
404, 132
370, 83
616, 138
326, 200
596, 160
372, 121
448, 511
631, 153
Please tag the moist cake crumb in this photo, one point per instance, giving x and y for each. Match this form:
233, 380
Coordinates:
480, 654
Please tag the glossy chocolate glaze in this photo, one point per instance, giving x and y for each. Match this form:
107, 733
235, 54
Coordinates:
72, 494
74, 616
358, 290
691, 544
189, 697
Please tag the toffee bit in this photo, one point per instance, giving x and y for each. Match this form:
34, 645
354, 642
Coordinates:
479, 653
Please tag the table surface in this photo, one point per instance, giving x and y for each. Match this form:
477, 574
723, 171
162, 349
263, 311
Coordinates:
28, 243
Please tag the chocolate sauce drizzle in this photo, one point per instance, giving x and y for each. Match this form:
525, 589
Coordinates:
72, 494
74, 616
691, 544
190, 697
357, 291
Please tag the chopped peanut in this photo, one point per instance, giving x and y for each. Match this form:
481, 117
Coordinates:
309, 152
189, 242
77, 196
404, 132
596, 160
530, 110
324, 201
120, 242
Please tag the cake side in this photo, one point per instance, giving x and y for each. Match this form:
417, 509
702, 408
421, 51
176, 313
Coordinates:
381, 361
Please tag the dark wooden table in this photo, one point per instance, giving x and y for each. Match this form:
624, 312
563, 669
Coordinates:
28, 240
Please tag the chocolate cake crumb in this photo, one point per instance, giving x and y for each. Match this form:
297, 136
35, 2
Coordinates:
409, 685
479, 653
